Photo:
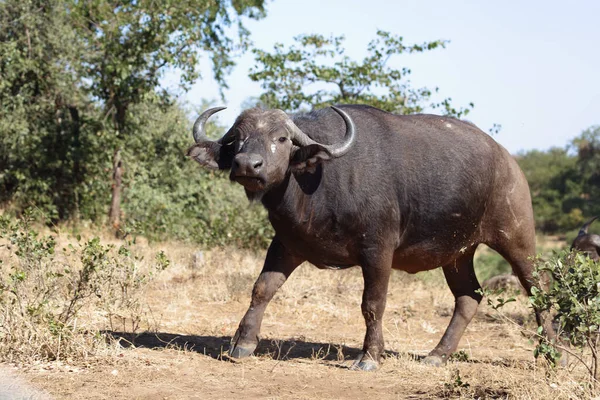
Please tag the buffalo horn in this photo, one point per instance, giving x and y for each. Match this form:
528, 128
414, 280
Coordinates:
198, 129
336, 150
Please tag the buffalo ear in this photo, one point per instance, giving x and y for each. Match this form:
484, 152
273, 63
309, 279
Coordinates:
211, 155
306, 158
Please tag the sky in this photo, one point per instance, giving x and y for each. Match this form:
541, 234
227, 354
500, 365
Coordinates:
531, 66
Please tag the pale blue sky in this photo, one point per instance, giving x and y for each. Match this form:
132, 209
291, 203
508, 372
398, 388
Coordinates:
531, 66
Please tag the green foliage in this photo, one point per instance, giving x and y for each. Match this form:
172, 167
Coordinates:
43, 291
67, 69
555, 188
168, 196
316, 73
587, 145
493, 298
41, 107
457, 386
548, 352
574, 293
459, 356
565, 183
129, 44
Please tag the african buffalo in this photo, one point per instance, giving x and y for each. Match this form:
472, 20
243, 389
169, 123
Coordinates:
586, 242
355, 185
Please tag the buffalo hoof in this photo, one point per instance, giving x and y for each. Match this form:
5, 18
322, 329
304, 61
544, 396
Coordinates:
436, 361
363, 363
366, 365
239, 351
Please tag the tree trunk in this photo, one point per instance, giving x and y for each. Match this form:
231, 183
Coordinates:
76, 176
114, 214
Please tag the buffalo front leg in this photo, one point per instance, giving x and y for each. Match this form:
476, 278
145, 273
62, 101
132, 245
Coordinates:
376, 273
463, 283
279, 264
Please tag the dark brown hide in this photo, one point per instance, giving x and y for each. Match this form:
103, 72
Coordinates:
588, 243
411, 192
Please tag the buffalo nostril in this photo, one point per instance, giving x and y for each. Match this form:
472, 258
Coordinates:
257, 164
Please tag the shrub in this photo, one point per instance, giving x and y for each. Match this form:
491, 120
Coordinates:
43, 291
168, 196
574, 292
165, 194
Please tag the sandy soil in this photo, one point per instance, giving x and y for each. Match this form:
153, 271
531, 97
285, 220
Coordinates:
312, 331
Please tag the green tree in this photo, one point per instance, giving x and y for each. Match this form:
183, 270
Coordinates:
565, 183
44, 112
587, 145
316, 72
168, 197
70, 72
129, 44
555, 186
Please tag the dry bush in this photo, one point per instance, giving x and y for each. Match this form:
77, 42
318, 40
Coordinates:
44, 292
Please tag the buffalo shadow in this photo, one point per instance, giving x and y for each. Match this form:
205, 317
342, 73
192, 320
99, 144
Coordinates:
289, 349
216, 346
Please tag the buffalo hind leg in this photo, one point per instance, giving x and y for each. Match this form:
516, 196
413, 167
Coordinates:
463, 283
376, 271
279, 264
522, 265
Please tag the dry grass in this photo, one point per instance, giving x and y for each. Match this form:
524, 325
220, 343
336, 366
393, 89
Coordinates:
57, 294
312, 331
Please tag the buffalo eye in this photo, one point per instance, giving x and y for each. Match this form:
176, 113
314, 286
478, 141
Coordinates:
282, 139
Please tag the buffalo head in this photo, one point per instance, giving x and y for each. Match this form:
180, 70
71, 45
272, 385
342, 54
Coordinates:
262, 146
587, 243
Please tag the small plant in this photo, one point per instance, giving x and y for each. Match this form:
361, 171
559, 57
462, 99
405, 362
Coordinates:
547, 350
457, 385
493, 299
44, 290
574, 292
459, 356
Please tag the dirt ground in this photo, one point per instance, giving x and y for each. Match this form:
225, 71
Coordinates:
312, 331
